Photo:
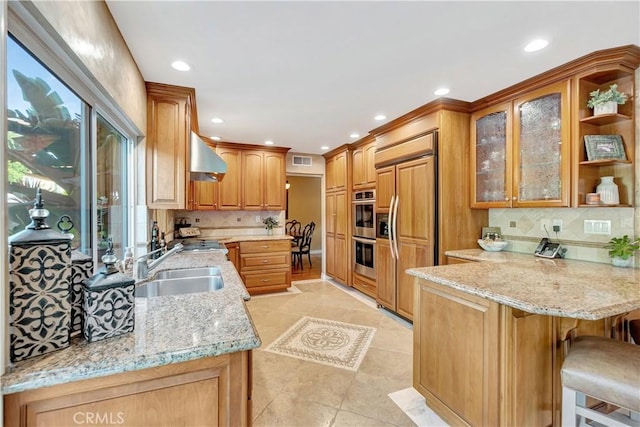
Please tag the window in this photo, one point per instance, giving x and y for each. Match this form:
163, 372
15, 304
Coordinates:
58, 143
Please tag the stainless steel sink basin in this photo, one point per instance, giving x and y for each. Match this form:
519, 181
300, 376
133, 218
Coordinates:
188, 272
179, 286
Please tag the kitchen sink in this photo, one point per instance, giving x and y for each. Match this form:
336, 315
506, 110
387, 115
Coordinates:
179, 286
188, 272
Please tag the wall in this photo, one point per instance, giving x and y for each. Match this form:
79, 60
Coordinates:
316, 168
305, 204
91, 33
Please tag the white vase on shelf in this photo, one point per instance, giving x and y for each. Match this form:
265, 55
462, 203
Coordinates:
610, 107
608, 191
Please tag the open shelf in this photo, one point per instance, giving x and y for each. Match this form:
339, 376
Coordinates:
603, 162
605, 119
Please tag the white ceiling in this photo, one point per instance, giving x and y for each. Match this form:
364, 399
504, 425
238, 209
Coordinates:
308, 74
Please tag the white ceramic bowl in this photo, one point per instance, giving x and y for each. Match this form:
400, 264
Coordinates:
492, 245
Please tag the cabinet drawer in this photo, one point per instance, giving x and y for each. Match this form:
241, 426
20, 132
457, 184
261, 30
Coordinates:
276, 278
366, 286
264, 261
265, 246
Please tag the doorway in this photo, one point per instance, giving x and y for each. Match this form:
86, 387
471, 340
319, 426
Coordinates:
304, 204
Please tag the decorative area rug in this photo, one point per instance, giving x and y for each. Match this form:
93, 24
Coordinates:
338, 344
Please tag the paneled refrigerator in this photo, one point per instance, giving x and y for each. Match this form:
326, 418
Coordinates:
406, 228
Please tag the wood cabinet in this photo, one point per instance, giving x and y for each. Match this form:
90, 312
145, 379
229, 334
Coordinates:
520, 155
587, 172
502, 359
169, 124
265, 265
337, 260
233, 254
363, 161
211, 391
364, 284
230, 188
204, 195
263, 180
336, 170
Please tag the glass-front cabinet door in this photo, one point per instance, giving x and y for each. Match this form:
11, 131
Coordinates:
491, 157
541, 148
520, 152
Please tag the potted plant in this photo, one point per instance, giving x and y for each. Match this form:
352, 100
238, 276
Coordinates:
270, 222
621, 250
606, 102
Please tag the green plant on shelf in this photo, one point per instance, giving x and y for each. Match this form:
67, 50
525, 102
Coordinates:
610, 95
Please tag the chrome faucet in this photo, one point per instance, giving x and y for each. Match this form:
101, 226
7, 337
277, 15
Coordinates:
142, 267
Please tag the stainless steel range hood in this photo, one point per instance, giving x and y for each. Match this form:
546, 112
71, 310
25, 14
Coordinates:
206, 165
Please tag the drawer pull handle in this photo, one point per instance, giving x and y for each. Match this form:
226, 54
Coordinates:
264, 261
265, 280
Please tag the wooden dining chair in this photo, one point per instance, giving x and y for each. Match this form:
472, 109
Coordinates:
304, 246
293, 228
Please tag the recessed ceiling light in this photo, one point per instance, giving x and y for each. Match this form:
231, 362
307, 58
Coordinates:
268, 142
324, 147
536, 45
180, 66
216, 138
380, 117
354, 135
217, 120
441, 91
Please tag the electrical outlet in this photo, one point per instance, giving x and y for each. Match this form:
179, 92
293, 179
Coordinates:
596, 226
512, 224
238, 219
197, 219
258, 219
557, 223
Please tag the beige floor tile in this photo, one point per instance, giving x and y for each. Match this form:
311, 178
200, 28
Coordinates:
272, 370
400, 341
368, 396
260, 398
320, 383
287, 410
349, 419
387, 363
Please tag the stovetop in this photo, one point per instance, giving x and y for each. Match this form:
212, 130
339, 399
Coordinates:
197, 244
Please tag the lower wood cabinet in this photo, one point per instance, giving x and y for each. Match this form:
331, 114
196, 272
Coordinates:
213, 391
233, 254
364, 284
265, 265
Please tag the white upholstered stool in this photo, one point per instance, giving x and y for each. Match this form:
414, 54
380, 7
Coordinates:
607, 370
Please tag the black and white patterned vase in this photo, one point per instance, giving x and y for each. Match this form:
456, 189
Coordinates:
108, 302
81, 270
39, 288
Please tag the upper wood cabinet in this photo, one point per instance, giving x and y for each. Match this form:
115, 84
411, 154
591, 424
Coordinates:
229, 189
520, 155
587, 172
169, 125
336, 170
263, 180
364, 169
204, 195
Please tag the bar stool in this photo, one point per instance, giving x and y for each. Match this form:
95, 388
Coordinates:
607, 370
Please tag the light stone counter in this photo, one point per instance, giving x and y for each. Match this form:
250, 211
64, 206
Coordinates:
168, 329
555, 287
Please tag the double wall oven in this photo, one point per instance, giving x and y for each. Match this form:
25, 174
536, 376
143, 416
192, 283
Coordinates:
364, 233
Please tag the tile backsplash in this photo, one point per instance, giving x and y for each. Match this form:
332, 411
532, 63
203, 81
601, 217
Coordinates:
231, 223
522, 228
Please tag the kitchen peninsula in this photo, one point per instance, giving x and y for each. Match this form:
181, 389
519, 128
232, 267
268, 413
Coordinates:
488, 336
183, 346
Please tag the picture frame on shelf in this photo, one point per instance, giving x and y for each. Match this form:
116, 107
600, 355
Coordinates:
604, 147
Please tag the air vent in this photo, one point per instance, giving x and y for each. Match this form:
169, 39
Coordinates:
301, 160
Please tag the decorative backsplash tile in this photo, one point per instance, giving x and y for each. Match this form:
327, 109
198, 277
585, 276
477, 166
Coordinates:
526, 233
231, 223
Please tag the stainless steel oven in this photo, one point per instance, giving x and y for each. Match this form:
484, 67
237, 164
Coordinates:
364, 257
364, 216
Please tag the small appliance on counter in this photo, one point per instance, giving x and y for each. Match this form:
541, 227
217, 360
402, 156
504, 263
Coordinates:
39, 287
108, 301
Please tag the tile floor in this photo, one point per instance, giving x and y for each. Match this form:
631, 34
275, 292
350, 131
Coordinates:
293, 392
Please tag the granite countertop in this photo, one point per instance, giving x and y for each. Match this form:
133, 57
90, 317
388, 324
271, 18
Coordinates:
258, 238
168, 329
555, 287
